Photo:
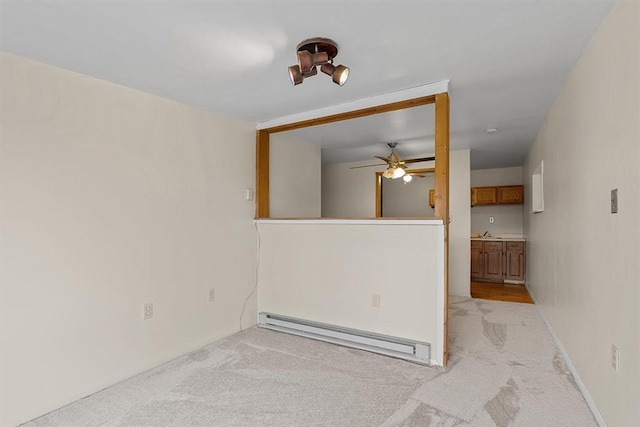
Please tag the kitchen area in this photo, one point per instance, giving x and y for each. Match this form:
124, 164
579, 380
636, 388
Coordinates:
498, 246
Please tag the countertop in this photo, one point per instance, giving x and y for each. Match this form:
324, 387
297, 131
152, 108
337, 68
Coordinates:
500, 239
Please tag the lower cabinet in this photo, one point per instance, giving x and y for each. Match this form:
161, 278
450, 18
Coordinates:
493, 261
514, 261
497, 261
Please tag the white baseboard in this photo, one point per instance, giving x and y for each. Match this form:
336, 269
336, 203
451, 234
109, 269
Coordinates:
572, 368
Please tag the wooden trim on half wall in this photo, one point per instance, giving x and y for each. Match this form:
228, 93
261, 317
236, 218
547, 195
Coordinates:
442, 197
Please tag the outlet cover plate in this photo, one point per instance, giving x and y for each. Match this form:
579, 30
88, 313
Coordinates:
375, 300
148, 311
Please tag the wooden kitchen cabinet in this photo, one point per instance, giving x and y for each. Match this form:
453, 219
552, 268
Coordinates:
497, 261
514, 261
477, 260
488, 196
484, 196
493, 261
504, 195
511, 195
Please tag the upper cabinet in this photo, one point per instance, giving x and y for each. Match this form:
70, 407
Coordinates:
511, 195
503, 195
487, 196
484, 196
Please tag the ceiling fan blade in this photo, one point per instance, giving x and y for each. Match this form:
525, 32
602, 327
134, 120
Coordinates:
416, 175
420, 159
365, 166
384, 159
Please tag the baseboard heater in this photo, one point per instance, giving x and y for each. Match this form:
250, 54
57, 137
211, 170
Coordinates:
413, 351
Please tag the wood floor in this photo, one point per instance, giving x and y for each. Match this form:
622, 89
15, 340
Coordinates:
500, 292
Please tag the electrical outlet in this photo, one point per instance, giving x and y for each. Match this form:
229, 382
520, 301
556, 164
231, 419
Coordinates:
249, 194
148, 311
375, 300
212, 295
615, 358
614, 201
491, 220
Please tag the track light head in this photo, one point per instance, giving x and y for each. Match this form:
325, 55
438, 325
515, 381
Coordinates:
295, 75
338, 74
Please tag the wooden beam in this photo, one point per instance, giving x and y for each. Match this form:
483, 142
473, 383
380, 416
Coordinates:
262, 174
385, 108
262, 141
442, 196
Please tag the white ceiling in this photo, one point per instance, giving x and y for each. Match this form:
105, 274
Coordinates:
506, 59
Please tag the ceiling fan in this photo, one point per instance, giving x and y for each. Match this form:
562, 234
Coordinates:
395, 166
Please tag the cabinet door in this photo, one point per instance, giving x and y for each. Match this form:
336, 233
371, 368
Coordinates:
514, 260
484, 196
511, 195
477, 260
493, 261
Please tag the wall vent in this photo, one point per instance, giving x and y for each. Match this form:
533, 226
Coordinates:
414, 351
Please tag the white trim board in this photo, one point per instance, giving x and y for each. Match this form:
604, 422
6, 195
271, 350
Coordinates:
387, 98
583, 388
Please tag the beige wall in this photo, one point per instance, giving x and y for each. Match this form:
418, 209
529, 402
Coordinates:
459, 227
328, 273
112, 198
351, 193
402, 199
508, 218
583, 263
294, 178
497, 176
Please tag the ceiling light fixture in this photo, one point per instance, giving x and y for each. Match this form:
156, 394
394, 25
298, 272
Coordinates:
314, 52
393, 172
407, 178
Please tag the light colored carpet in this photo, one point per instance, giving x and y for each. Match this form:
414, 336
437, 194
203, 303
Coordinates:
505, 370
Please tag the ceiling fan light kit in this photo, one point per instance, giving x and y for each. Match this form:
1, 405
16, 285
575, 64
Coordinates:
393, 172
317, 52
395, 166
